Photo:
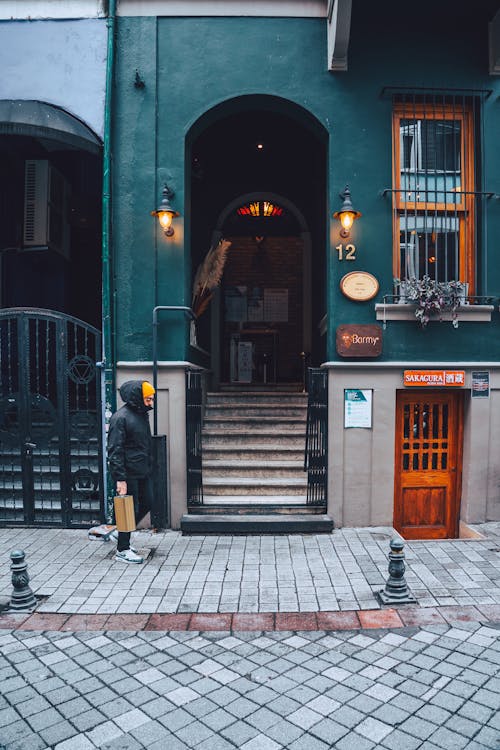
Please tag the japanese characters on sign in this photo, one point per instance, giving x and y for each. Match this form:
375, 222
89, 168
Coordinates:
434, 378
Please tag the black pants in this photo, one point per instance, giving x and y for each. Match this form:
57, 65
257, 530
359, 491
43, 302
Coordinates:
142, 492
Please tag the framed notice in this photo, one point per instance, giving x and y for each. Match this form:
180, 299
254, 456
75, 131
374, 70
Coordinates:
358, 407
276, 305
480, 387
235, 304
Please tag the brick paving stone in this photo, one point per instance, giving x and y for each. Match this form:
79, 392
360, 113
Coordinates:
448, 740
126, 622
167, 622
296, 621
385, 618
338, 620
417, 616
40, 621
85, 622
11, 620
210, 622
252, 621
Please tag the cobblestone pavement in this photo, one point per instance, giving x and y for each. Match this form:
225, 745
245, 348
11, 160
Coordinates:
299, 573
431, 687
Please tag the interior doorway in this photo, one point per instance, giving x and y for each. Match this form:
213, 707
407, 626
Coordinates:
428, 464
258, 180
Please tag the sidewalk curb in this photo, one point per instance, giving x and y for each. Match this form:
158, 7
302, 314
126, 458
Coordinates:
410, 616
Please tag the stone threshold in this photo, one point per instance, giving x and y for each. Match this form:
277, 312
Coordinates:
386, 618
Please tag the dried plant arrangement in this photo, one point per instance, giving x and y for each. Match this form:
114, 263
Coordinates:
208, 276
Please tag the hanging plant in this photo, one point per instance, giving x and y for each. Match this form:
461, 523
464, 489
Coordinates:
431, 298
208, 276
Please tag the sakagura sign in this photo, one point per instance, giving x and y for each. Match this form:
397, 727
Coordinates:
359, 340
434, 378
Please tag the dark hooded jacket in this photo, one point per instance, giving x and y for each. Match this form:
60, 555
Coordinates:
129, 436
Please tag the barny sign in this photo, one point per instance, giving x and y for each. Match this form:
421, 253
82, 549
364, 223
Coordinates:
359, 340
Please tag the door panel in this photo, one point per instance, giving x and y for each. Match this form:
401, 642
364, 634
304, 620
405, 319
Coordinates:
428, 464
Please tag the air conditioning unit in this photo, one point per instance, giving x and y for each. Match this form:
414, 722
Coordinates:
46, 205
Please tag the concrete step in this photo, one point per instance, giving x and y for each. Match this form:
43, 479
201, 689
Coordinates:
255, 469
250, 486
262, 389
280, 399
235, 420
258, 501
256, 410
240, 439
276, 523
253, 453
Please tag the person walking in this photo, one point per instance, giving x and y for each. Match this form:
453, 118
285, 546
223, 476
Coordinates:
130, 456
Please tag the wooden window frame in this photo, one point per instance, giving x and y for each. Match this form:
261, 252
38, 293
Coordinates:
463, 210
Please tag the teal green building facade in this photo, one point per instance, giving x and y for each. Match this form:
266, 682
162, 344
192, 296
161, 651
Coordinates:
316, 89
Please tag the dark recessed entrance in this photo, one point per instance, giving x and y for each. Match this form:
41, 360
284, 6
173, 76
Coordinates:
258, 180
50, 295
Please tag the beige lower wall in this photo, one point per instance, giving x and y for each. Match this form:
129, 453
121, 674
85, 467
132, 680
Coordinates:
361, 460
171, 405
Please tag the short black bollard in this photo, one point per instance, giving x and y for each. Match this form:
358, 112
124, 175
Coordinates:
396, 589
22, 597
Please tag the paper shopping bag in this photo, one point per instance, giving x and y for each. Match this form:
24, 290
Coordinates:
124, 513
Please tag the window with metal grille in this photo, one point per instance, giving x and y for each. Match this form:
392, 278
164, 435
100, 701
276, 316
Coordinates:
434, 187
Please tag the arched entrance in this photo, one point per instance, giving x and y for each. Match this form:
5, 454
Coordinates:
258, 182
262, 306
258, 179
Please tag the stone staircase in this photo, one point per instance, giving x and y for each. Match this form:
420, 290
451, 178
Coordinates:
253, 445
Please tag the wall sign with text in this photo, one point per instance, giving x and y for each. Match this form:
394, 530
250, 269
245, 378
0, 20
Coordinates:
359, 286
359, 340
434, 378
480, 386
358, 407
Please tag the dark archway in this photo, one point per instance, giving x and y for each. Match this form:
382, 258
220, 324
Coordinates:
263, 146
50, 211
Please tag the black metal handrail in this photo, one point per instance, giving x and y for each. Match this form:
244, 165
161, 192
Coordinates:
159, 308
194, 420
316, 449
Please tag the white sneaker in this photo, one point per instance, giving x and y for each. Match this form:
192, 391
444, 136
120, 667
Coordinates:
114, 537
128, 556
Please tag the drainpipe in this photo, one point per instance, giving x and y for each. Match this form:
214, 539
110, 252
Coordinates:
107, 284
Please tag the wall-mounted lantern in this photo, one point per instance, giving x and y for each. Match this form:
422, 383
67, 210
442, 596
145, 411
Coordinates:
165, 212
347, 213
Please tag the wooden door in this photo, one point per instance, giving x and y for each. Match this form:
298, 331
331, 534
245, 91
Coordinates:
428, 468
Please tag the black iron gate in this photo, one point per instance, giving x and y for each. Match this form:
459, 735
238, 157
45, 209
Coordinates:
194, 417
50, 420
316, 453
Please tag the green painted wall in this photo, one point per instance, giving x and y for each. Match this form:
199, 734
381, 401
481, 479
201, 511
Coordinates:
190, 65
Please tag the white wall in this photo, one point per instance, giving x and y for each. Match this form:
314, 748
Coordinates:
59, 62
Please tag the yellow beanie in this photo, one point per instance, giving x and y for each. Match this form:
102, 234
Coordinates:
147, 389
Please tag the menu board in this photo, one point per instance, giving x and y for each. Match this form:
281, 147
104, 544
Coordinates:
357, 407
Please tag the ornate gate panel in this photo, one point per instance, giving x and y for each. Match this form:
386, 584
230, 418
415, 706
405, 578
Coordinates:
316, 453
50, 420
194, 419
